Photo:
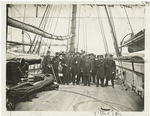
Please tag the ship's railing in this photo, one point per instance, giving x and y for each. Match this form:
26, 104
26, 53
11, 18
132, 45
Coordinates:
132, 77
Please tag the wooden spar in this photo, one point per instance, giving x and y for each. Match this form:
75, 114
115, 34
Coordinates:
18, 43
113, 34
73, 29
26, 27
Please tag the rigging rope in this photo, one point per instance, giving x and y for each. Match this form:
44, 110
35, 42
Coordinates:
52, 7
83, 33
112, 33
78, 28
102, 30
38, 50
55, 7
31, 20
128, 20
56, 24
39, 27
17, 10
112, 22
85, 29
68, 40
127, 25
42, 29
23, 30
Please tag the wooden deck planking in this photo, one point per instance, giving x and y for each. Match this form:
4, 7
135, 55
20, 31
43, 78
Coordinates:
68, 97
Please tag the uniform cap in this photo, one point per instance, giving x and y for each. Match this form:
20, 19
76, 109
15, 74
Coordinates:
77, 53
101, 56
57, 53
48, 52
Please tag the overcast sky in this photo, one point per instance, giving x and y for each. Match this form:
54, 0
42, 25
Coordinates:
88, 28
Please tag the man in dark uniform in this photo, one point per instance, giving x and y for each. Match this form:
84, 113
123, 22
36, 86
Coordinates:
66, 63
71, 66
110, 69
93, 62
76, 68
47, 63
55, 62
100, 67
82, 59
87, 69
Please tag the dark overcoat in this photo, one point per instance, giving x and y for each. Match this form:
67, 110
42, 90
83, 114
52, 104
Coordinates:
110, 68
46, 62
55, 62
76, 66
66, 64
93, 63
86, 66
100, 68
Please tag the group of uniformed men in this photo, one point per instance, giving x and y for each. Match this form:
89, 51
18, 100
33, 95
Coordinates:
86, 67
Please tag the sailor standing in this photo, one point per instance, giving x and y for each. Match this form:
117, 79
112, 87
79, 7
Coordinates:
110, 69
93, 62
82, 59
66, 63
86, 67
55, 62
100, 67
47, 63
76, 68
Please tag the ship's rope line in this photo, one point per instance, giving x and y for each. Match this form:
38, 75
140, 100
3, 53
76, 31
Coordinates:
47, 25
52, 18
102, 30
68, 40
39, 47
83, 32
85, 29
17, 10
24, 13
112, 31
54, 11
31, 20
48, 29
127, 25
50, 23
112, 22
22, 29
42, 29
39, 27
40, 37
128, 20
57, 19
78, 28
56, 25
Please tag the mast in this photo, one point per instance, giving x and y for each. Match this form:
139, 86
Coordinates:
73, 29
113, 34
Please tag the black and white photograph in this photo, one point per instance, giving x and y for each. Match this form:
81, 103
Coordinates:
67, 58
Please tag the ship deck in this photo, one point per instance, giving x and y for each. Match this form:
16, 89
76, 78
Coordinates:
84, 98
